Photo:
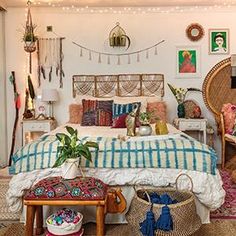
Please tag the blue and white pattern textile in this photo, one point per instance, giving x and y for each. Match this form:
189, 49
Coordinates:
172, 152
120, 109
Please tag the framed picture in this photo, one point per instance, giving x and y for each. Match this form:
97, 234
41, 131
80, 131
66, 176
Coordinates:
218, 41
188, 61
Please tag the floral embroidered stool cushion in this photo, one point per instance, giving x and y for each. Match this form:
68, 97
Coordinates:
63, 192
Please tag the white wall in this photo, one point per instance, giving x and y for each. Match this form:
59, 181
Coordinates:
3, 130
91, 30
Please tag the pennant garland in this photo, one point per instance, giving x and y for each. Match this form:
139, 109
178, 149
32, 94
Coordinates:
118, 55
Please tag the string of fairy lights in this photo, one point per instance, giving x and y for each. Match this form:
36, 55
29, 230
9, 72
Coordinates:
224, 5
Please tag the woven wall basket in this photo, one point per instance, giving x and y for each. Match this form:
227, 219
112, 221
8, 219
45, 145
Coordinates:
184, 216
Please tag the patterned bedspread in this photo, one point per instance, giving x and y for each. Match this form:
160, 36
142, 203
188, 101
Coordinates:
176, 151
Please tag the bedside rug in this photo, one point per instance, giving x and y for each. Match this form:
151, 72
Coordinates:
228, 209
5, 214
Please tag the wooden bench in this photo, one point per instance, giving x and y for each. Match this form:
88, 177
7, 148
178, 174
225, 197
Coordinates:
55, 191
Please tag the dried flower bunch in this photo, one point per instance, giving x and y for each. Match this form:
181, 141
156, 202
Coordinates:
180, 93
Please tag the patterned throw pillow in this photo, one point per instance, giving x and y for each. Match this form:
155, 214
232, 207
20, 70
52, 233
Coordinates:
158, 110
104, 113
120, 112
89, 112
75, 113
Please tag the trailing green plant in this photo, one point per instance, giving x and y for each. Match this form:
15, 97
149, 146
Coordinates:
72, 147
29, 37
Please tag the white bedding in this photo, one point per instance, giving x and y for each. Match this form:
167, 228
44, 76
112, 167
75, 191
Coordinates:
206, 187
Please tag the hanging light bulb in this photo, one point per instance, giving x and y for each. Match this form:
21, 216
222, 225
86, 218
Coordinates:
81, 52
90, 56
147, 54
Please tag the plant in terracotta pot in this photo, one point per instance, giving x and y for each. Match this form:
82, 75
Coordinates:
70, 152
145, 127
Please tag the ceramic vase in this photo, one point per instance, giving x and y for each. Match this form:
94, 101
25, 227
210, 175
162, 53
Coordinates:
181, 110
70, 168
145, 130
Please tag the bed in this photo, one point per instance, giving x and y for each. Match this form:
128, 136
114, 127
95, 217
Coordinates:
150, 161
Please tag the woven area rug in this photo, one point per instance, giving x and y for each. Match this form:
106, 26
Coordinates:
217, 228
5, 214
228, 209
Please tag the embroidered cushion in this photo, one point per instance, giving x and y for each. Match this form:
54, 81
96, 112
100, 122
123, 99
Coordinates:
158, 110
104, 113
75, 113
89, 112
80, 188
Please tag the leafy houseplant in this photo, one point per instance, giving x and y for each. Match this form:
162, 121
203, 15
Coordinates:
72, 149
145, 128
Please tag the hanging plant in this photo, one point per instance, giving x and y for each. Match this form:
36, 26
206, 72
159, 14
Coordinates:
29, 37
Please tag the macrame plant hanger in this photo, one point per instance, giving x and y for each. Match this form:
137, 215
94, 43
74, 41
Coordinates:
29, 37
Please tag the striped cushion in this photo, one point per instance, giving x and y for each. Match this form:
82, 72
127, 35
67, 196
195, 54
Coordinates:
120, 109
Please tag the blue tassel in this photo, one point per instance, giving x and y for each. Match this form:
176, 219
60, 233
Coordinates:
155, 198
166, 199
165, 222
148, 226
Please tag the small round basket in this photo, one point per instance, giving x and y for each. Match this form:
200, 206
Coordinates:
184, 216
65, 228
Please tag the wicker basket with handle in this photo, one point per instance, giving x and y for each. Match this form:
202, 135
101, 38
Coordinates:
184, 216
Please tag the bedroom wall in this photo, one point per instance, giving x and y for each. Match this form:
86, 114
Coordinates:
3, 128
91, 30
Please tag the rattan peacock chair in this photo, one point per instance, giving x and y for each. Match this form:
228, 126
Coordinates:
216, 92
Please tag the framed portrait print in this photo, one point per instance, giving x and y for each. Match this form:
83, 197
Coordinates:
188, 61
218, 41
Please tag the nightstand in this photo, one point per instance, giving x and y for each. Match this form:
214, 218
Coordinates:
192, 125
33, 129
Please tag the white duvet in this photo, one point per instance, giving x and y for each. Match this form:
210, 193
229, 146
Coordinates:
206, 187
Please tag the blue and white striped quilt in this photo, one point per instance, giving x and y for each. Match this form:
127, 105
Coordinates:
173, 152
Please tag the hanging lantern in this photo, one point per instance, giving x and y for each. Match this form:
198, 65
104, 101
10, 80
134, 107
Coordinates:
29, 37
118, 37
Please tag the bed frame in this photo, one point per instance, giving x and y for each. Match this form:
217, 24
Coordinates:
123, 85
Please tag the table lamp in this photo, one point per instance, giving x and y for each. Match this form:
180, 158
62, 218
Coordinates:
50, 96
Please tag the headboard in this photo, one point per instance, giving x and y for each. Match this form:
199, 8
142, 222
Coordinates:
124, 85
217, 87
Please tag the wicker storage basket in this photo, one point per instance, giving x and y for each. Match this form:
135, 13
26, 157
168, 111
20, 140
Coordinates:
184, 216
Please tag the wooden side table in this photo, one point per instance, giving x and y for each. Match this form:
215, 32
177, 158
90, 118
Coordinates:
192, 125
32, 129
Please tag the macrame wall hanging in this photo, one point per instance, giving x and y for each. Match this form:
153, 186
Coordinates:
29, 37
50, 55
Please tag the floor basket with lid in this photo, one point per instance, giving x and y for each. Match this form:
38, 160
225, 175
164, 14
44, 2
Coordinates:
184, 216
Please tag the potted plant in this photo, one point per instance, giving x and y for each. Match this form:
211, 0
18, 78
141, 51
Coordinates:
145, 127
30, 38
70, 152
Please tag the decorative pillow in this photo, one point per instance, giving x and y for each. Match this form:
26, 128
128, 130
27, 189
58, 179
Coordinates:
120, 109
89, 112
120, 112
158, 110
104, 113
119, 121
75, 113
229, 113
